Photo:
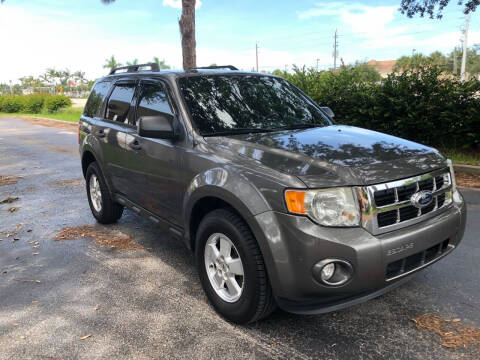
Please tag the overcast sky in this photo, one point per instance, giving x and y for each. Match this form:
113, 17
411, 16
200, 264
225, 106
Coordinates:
80, 35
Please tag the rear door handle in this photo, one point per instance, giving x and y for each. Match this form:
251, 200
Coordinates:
100, 133
135, 145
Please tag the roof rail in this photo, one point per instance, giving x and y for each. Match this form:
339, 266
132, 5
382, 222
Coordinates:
231, 67
135, 68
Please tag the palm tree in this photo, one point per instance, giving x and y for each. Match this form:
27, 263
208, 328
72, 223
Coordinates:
134, 62
187, 32
52, 75
111, 63
161, 63
79, 77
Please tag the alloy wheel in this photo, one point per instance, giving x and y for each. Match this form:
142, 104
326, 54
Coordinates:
224, 267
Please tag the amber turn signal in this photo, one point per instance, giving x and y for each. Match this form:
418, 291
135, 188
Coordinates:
295, 201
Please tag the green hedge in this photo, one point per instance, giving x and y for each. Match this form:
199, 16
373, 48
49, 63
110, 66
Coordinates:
424, 105
34, 103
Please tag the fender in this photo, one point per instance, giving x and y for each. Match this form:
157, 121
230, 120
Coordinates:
90, 144
248, 201
229, 186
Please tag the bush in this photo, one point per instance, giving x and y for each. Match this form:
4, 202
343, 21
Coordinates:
33, 103
56, 102
422, 105
11, 103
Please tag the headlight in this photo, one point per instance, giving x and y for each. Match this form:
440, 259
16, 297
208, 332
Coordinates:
329, 207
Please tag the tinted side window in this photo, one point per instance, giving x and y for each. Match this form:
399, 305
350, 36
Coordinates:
119, 103
153, 100
94, 103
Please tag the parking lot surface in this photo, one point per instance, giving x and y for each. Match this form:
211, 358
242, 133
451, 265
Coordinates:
78, 299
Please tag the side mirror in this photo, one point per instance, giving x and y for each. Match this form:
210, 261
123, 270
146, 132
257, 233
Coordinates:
328, 111
158, 126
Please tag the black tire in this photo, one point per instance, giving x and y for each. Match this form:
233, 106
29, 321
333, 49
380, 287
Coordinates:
256, 300
110, 211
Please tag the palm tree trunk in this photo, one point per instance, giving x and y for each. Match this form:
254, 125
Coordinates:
187, 31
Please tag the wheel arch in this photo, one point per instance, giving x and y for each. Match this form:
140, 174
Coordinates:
217, 188
87, 159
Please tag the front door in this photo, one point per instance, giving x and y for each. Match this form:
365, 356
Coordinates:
154, 164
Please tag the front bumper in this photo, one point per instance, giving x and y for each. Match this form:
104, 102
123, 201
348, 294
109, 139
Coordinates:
292, 245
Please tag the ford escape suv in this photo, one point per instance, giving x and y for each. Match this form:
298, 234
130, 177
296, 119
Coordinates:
281, 206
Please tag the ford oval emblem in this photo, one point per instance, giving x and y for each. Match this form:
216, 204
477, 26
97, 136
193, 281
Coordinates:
422, 199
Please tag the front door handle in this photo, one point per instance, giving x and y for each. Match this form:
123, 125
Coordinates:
135, 145
100, 133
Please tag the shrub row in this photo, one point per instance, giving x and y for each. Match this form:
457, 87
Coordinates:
34, 103
423, 105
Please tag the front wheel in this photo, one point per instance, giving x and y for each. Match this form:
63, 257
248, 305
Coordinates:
231, 268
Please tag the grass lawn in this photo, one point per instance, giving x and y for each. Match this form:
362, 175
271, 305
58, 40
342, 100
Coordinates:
467, 157
71, 114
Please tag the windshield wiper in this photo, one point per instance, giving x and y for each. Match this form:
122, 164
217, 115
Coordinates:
237, 131
295, 126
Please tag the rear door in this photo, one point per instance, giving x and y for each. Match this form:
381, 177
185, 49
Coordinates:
111, 131
154, 164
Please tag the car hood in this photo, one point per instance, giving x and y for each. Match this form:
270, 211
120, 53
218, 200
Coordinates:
334, 155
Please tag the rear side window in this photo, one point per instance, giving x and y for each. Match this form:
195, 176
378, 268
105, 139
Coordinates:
93, 107
153, 100
119, 103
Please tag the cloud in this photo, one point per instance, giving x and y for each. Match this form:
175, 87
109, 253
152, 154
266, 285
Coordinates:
329, 9
177, 4
379, 28
360, 19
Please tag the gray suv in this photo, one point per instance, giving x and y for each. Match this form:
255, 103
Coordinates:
280, 205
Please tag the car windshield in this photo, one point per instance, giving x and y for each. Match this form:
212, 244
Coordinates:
233, 104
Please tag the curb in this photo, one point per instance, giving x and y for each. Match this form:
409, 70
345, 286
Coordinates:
469, 169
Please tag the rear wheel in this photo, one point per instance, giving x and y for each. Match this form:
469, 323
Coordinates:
103, 208
231, 268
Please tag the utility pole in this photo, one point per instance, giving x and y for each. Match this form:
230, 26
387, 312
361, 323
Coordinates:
317, 64
455, 69
335, 51
465, 47
256, 54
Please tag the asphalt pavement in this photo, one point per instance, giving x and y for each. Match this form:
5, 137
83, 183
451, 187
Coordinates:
147, 303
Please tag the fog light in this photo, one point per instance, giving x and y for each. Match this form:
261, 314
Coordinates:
327, 271
332, 272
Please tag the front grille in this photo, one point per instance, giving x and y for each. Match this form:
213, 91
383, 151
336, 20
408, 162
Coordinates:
407, 264
388, 206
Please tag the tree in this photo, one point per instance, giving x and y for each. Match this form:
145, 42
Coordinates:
79, 77
437, 58
433, 8
134, 62
161, 63
187, 32
366, 73
111, 63
414, 62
